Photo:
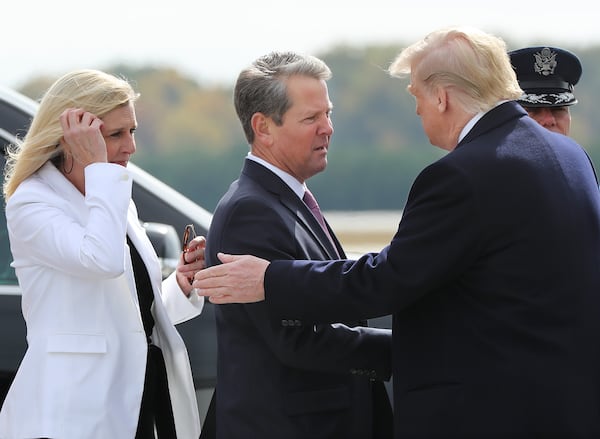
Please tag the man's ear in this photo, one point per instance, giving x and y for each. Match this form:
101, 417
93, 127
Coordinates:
442, 99
261, 125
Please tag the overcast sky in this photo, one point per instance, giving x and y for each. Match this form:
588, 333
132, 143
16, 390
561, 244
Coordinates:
212, 40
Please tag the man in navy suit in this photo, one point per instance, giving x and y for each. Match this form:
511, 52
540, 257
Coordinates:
493, 275
287, 379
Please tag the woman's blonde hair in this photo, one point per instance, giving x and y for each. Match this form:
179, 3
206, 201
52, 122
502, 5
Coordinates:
92, 90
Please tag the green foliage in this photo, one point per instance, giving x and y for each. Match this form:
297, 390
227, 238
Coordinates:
370, 107
369, 179
189, 135
203, 178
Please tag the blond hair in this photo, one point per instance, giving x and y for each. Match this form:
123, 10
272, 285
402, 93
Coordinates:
474, 63
92, 90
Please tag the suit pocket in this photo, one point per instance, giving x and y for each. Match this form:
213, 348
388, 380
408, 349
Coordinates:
77, 343
315, 401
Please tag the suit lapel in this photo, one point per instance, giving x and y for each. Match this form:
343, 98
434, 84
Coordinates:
305, 216
290, 200
338, 246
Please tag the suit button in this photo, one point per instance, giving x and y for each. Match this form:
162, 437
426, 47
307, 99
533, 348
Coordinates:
297, 323
284, 323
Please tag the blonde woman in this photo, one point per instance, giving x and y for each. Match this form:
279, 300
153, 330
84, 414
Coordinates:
104, 359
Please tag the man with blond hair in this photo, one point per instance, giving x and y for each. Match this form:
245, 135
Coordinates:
492, 276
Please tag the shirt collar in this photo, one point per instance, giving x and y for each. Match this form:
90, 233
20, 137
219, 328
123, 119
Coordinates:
470, 124
294, 184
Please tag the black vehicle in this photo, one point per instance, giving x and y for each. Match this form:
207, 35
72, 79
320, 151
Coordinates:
164, 212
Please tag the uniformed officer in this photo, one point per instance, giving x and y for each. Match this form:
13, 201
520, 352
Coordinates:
547, 76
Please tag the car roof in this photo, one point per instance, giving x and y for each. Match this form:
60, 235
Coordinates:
19, 100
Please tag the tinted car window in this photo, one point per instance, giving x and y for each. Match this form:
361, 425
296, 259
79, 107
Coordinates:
14, 120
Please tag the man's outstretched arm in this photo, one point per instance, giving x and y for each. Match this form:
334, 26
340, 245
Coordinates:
239, 279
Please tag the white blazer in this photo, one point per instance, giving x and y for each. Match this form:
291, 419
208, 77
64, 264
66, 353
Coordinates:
83, 373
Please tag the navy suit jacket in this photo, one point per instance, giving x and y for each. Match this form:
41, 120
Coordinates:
493, 278
284, 379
